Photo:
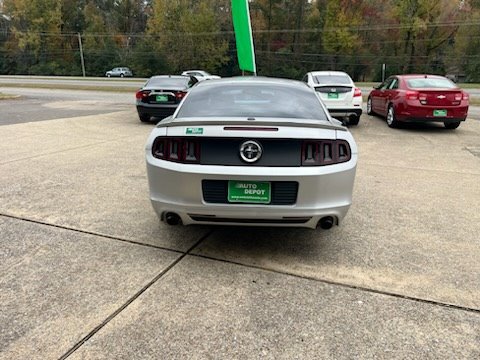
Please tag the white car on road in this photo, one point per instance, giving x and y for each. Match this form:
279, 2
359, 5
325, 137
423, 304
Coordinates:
339, 94
200, 75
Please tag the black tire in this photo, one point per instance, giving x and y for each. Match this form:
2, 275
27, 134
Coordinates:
391, 118
121, 75
369, 107
108, 75
452, 125
144, 117
353, 120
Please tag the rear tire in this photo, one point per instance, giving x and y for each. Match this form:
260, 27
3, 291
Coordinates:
353, 120
144, 118
369, 107
121, 75
108, 75
452, 125
391, 119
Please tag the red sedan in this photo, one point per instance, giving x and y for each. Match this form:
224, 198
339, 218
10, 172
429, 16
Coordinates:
419, 98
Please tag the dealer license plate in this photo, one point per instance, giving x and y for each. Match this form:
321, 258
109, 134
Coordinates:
162, 98
441, 113
252, 192
333, 95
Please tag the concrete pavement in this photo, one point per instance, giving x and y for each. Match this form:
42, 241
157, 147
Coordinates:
89, 272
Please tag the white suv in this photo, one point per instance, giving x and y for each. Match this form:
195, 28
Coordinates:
339, 94
200, 75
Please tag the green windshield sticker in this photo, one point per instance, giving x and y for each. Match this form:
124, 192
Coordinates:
194, 131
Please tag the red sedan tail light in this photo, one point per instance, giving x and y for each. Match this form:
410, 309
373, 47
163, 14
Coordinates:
325, 152
142, 94
422, 98
466, 96
411, 95
358, 92
183, 150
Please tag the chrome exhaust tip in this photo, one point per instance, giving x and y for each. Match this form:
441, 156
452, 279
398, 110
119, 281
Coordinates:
172, 219
326, 222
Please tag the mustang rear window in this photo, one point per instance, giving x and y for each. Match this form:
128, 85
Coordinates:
429, 83
252, 100
165, 82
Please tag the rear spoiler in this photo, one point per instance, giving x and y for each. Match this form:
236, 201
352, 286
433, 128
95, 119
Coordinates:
318, 124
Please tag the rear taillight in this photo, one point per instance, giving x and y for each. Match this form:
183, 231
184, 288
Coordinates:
183, 150
142, 94
325, 152
422, 98
357, 92
466, 96
411, 95
180, 95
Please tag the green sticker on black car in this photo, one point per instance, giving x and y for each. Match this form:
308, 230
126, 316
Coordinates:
194, 131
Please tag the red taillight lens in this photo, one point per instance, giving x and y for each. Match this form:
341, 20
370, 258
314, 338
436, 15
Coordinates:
412, 95
184, 150
180, 95
466, 96
357, 92
142, 94
422, 98
325, 152
458, 97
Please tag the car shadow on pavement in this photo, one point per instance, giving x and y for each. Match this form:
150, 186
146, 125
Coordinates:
430, 127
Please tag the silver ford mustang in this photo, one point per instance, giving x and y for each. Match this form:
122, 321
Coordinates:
251, 151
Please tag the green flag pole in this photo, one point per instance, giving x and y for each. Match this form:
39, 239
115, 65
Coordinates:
243, 36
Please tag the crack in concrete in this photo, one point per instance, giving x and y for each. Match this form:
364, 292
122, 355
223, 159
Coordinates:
349, 286
86, 232
188, 252
133, 298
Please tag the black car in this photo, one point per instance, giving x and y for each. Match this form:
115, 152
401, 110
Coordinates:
160, 95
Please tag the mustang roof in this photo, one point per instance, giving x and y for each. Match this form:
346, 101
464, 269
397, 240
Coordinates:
253, 80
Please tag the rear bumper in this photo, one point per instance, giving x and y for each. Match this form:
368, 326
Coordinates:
161, 111
344, 112
431, 119
322, 191
423, 113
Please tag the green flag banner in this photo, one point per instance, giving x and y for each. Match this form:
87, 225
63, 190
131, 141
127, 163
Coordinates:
243, 35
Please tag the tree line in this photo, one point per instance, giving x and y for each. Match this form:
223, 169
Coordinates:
291, 37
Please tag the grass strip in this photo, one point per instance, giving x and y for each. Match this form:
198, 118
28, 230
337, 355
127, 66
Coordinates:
8, 96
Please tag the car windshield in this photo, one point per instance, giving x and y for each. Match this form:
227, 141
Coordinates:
332, 79
429, 83
252, 100
166, 81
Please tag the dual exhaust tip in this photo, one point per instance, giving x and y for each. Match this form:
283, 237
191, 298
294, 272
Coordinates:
172, 219
325, 223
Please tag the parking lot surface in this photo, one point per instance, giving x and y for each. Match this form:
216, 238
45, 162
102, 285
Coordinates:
87, 271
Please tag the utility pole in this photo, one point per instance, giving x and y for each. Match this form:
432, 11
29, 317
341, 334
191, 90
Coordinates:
81, 53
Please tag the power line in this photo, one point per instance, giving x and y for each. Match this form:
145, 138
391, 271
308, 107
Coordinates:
259, 31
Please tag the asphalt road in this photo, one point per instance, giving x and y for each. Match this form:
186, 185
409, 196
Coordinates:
88, 272
46, 104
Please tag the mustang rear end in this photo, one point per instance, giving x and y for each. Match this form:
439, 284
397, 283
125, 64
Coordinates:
251, 170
